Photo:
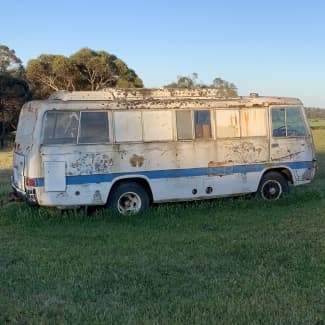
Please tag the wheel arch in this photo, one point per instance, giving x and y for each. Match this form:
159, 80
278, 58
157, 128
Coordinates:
284, 171
139, 180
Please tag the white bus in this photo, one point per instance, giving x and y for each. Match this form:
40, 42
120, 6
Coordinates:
128, 148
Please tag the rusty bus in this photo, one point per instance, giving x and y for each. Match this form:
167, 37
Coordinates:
129, 148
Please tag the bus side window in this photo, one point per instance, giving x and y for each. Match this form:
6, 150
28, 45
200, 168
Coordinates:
228, 123
128, 126
253, 122
60, 127
184, 125
93, 127
202, 124
288, 122
278, 122
295, 123
157, 126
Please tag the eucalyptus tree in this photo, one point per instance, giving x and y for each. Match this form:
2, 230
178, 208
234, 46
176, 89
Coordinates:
101, 70
9, 62
14, 90
85, 70
225, 89
50, 73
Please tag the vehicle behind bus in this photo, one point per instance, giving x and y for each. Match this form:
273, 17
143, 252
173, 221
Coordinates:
126, 149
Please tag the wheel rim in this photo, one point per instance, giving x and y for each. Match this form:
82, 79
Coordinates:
129, 203
271, 190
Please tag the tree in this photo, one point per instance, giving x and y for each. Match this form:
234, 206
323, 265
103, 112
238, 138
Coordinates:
95, 67
225, 88
184, 82
101, 70
50, 73
85, 70
9, 62
14, 92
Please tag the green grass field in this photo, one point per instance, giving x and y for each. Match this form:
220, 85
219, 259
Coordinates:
230, 261
317, 124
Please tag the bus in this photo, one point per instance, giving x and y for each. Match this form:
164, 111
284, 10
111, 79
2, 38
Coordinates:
129, 148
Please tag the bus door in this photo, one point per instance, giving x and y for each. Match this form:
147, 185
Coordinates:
290, 138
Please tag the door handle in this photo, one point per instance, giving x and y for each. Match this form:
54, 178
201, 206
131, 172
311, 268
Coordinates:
275, 145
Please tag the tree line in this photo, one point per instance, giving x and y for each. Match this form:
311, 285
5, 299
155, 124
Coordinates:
225, 89
86, 69
315, 113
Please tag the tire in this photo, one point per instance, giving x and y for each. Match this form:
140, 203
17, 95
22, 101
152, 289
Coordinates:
273, 186
128, 198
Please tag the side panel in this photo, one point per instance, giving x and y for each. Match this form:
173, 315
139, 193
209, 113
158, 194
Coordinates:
175, 170
54, 176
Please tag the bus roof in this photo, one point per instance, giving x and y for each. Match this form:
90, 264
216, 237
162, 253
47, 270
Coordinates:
167, 94
144, 98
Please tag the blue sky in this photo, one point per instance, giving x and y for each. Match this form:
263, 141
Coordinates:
270, 47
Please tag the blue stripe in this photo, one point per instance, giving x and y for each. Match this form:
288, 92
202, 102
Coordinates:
175, 173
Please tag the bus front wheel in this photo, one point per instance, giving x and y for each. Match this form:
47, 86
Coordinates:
273, 185
128, 198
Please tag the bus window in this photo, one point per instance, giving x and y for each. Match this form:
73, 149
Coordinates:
295, 123
93, 127
202, 123
278, 122
157, 126
253, 122
228, 124
60, 127
288, 122
128, 126
184, 125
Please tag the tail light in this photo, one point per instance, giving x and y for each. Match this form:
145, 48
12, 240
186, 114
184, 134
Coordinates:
30, 181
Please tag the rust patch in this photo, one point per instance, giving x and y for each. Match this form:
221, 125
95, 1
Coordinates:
219, 163
136, 161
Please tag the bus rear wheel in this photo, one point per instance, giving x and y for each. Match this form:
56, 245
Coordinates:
128, 198
273, 186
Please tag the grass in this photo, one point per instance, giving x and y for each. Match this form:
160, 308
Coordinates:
317, 124
5, 172
232, 261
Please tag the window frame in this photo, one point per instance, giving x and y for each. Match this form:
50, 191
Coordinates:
54, 129
145, 134
249, 109
286, 108
212, 128
79, 112
114, 126
192, 124
108, 127
222, 109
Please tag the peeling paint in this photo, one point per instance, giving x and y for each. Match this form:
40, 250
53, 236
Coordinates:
97, 198
90, 163
136, 161
245, 151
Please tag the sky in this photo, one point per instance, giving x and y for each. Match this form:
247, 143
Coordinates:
273, 48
